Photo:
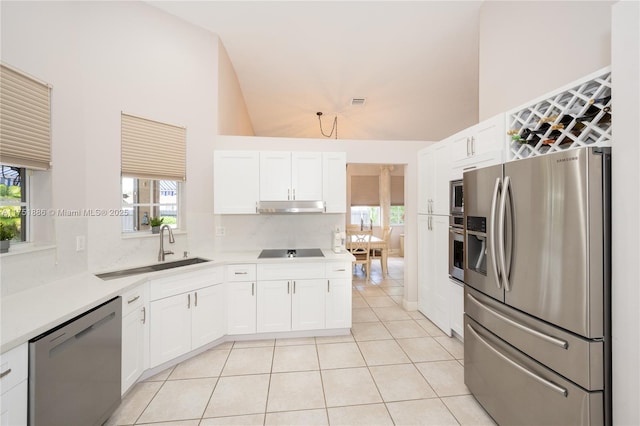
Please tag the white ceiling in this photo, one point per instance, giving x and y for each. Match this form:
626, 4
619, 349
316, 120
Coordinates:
415, 62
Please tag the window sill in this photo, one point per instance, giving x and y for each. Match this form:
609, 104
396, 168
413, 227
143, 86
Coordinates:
26, 248
147, 234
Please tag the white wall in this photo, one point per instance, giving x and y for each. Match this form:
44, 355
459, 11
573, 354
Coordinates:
625, 63
103, 58
233, 117
358, 151
529, 48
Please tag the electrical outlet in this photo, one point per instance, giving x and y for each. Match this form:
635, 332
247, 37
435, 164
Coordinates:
80, 243
221, 231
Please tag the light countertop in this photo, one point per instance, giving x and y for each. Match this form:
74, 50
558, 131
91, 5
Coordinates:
32, 312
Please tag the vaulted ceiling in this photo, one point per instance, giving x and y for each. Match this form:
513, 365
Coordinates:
415, 63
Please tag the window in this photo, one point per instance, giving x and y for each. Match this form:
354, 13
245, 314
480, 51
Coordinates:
366, 216
397, 215
13, 200
143, 199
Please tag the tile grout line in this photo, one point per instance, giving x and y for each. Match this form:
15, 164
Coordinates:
217, 382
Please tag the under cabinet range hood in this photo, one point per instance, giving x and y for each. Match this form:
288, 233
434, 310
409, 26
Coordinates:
289, 207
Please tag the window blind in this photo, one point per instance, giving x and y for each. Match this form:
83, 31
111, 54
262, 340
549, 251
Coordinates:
365, 191
25, 120
397, 190
152, 150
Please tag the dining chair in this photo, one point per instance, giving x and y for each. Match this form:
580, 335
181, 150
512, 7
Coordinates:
382, 253
360, 247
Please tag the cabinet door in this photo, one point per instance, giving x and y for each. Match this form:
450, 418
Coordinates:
425, 253
334, 181
133, 331
439, 272
13, 405
442, 172
241, 308
274, 306
170, 328
236, 182
425, 180
489, 136
338, 303
308, 304
275, 176
306, 176
208, 315
461, 145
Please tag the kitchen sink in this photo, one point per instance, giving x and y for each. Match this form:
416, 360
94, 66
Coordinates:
290, 253
151, 268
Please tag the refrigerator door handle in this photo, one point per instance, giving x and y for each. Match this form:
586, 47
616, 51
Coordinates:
501, 219
491, 235
553, 340
519, 367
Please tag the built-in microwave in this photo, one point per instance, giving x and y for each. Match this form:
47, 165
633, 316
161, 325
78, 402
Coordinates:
455, 197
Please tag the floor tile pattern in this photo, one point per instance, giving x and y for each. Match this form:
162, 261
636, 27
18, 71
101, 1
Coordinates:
395, 368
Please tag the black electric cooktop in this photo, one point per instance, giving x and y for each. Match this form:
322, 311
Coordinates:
285, 253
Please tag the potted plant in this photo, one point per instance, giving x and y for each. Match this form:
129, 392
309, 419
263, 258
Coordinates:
7, 233
155, 223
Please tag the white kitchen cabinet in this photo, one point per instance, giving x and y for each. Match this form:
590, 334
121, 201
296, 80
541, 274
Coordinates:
338, 295
290, 176
308, 304
236, 182
14, 385
479, 141
433, 274
274, 306
456, 307
241, 298
334, 181
433, 179
135, 335
187, 320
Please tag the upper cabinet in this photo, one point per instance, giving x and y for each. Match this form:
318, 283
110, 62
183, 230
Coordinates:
478, 146
236, 182
290, 176
244, 178
334, 181
433, 179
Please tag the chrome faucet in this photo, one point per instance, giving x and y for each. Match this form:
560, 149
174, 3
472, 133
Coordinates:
172, 240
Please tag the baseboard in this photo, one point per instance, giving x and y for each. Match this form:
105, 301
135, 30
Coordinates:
409, 306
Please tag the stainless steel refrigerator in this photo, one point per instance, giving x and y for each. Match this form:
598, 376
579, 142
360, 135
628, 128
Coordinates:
537, 343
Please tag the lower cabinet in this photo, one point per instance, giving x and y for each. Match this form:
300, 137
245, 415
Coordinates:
14, 385
135, 335
456, 308
338, 303
241, 299
186, 321
286, 305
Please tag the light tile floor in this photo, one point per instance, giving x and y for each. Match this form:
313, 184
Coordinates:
396, 367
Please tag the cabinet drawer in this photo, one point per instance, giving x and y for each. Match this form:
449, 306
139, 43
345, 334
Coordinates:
290, 271
338, 270
134, 299
242, 272
184, 282
13, 367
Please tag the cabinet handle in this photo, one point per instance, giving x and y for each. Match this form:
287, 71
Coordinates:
288, 287
294, 193
253, 288
4, 373
473, 145
188, 301
241, 273
294, 287
196, 301
130, 301
144, 315
256, 207
468, 168
340, 270
328, 290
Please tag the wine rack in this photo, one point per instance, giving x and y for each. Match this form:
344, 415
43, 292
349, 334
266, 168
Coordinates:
574, 116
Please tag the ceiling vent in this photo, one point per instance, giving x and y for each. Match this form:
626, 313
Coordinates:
357, 101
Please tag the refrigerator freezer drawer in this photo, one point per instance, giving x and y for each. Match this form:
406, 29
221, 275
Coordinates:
576, 358
516, 390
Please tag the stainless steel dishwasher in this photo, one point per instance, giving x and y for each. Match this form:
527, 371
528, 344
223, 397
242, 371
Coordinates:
74, 369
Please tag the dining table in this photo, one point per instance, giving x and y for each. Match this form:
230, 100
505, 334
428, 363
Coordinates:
376, 243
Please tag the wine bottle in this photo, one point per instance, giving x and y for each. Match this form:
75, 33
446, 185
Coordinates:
602, 101
593, 111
